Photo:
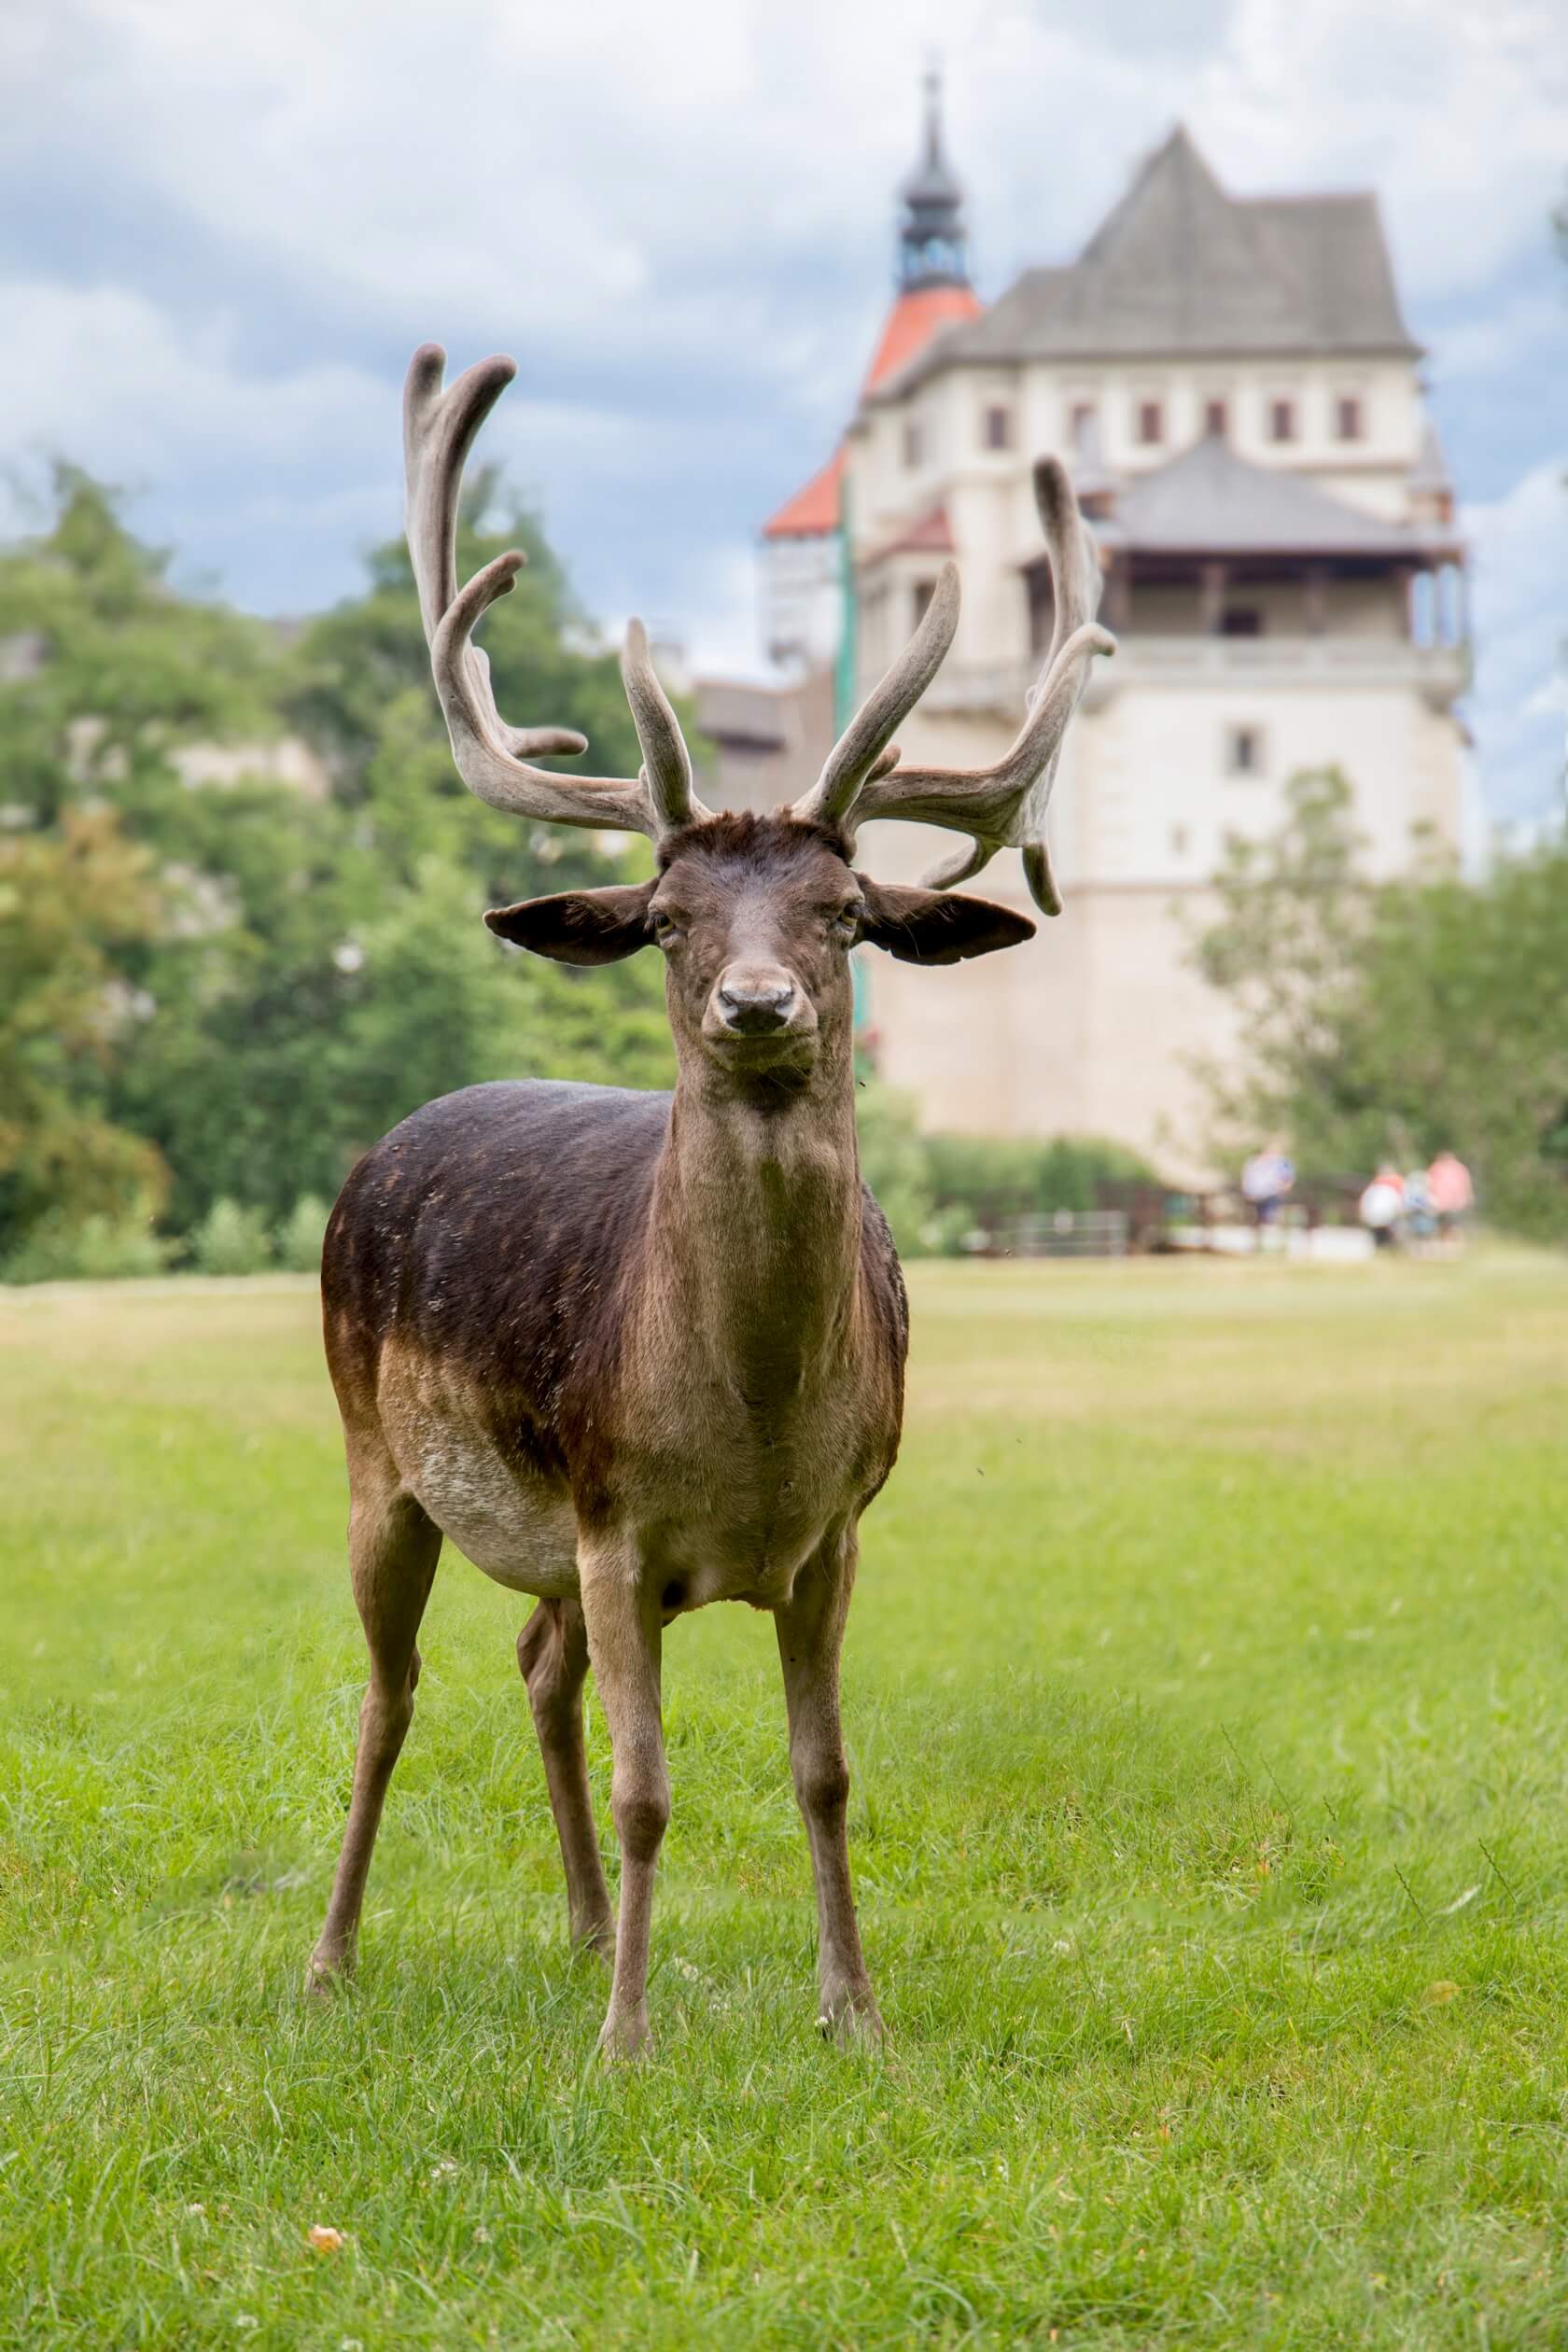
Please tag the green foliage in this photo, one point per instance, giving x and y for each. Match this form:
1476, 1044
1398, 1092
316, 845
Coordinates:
300, 1234
893, 1164
227, 990
231, 1240
64, 1248
1396, 1020
938, 1192
985, 1177
75, 906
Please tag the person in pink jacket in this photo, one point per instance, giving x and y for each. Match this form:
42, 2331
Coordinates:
1453, 1195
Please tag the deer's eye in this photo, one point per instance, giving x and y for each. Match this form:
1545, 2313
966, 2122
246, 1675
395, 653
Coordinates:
665, 927
846, 924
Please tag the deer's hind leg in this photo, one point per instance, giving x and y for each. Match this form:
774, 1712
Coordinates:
553, 1659
810, 1625
393, 1547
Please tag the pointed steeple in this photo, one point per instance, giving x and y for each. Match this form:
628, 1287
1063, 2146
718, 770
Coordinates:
932, 236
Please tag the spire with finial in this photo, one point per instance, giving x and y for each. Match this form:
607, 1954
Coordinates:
932, 237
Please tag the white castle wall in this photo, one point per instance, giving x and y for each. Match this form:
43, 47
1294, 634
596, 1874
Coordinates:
1095, 1025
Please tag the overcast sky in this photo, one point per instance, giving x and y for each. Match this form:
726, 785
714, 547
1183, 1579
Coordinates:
222, 231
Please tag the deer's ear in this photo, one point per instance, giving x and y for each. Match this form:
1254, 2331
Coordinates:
936, 926
580, 927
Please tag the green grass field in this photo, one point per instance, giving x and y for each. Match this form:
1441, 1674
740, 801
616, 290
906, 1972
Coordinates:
1205, 1694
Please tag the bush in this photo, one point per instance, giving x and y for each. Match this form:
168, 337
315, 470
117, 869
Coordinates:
978, 1180
92, 1250
231, 1240
299, 1235
893, 1163
939, 1192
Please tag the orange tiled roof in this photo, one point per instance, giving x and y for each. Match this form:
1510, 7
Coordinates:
814, 510
910, 325
912, 322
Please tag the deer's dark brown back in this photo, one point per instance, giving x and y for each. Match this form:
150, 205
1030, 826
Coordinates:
492, 1230
498, 1230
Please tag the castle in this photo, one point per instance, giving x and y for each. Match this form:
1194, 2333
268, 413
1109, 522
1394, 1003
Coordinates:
1238, 397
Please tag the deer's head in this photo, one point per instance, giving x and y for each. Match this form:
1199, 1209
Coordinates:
755, 915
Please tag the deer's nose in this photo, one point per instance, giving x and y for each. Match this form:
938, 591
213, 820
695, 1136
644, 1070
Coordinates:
754, 1007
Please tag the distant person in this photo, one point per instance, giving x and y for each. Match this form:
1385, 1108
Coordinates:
1421, 1213
1266, 1183
1453, 1196
1383, 1205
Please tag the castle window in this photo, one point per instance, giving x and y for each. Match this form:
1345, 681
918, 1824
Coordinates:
1348, 423
1081, 425
1178, 841
914, 444
1216, 418
1151, 422
924, 590
1281, 420
1241, 621
1243, 751
996, 427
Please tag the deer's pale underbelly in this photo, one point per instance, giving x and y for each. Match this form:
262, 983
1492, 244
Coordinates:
522, 1533
720, 1526
518, 1528
514, 1522
522, 1530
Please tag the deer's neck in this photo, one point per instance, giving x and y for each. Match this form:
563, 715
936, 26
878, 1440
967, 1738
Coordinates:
755, 1240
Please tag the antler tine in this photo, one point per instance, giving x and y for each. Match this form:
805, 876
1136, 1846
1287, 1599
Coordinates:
862, 751
666, 763
492, 758
1004, 806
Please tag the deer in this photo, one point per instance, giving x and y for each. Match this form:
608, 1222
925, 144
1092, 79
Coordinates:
636, 1353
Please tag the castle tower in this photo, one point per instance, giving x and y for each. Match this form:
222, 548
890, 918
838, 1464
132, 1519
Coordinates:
802, 588
932, 238
1234, 388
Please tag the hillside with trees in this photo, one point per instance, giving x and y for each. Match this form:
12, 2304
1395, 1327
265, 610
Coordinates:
225, 970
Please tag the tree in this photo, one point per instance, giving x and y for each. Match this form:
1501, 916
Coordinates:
303, 971
69, 905
1397, 1019
1290, 909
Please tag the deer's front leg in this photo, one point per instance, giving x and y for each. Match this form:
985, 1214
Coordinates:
620, 1610
810, 1631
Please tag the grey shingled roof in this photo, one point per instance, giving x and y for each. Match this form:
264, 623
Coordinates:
1209, 499
1180, 266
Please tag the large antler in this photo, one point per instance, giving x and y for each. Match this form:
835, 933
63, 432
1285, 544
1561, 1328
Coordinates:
1001, 806
493, 758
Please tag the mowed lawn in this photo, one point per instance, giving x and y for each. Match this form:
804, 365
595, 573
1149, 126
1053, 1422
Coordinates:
1207, 1703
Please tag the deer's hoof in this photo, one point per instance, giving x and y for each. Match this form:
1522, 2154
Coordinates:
326, 1974
626, 2039
596, 1941
853, 2022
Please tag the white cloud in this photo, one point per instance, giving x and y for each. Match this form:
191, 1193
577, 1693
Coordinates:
1453, 111
1519, 562
111, 378
679, 220
606, 170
